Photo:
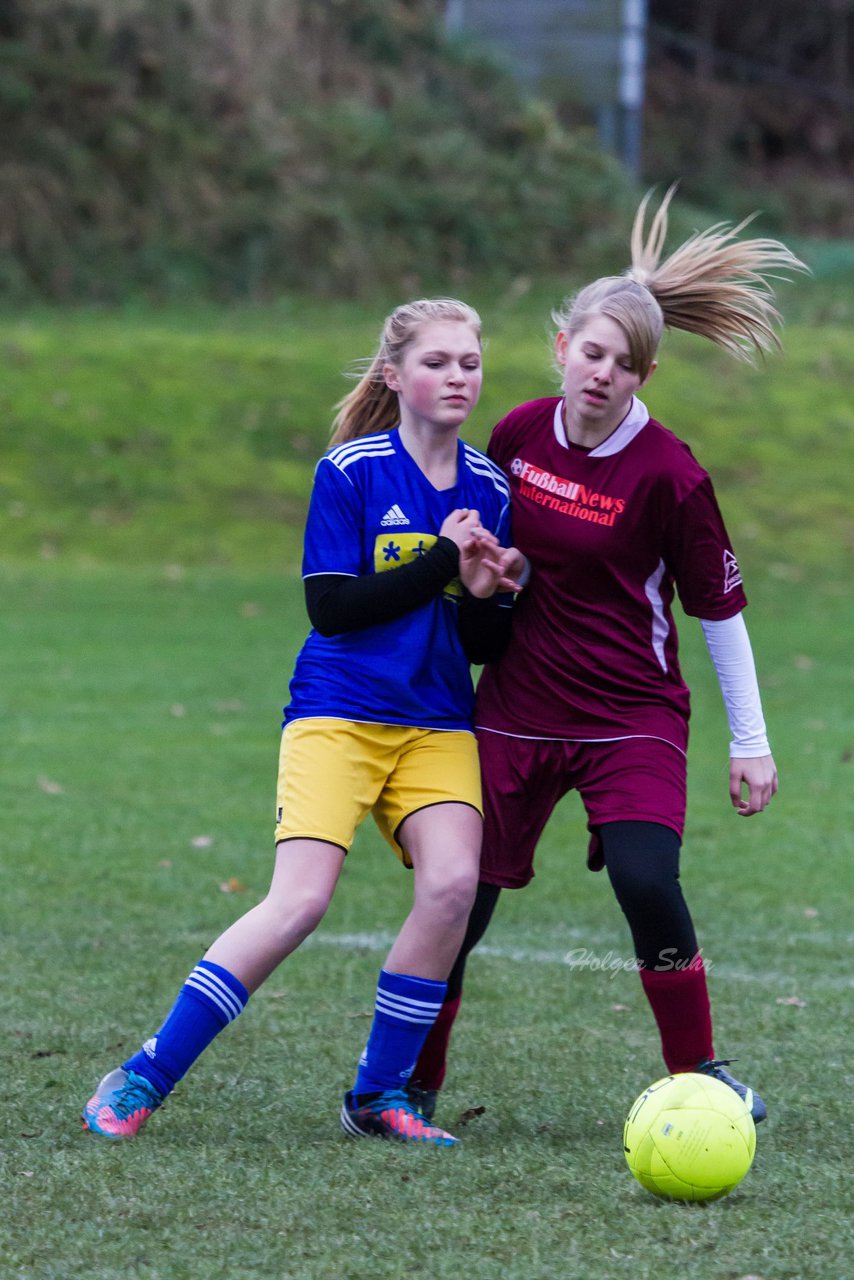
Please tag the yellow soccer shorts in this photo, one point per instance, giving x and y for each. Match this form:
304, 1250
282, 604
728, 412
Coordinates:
332, 773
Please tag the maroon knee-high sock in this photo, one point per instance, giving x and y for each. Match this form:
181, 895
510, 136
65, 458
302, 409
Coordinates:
680, 1005
429, 1070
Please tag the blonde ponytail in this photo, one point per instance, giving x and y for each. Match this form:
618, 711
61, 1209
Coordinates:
714, 285
370, 407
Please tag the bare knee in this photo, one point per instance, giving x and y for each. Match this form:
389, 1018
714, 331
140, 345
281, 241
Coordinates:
449, 896
298, 915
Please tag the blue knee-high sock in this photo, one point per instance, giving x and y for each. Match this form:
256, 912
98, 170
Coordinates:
209, 999
406, 1009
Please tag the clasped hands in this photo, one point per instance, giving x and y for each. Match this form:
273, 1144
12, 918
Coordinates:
485, 566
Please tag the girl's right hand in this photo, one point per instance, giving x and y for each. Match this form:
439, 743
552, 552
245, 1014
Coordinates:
460, 525
759, 776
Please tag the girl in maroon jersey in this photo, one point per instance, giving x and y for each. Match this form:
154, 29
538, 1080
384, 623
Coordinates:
615, 516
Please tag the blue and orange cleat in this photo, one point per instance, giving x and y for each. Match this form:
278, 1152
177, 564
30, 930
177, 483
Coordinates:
390, 1115
716, 1067
120, 1105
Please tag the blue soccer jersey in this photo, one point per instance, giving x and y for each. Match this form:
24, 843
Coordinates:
372, 510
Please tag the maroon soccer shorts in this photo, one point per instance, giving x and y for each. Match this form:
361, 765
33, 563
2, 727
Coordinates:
630, 779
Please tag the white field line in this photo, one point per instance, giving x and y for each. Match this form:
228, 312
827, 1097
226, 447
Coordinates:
603, 960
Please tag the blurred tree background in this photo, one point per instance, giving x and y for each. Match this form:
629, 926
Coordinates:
755, 104
237, 148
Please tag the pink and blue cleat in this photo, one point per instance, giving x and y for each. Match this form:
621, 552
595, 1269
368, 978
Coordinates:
120, 1105
390, 1115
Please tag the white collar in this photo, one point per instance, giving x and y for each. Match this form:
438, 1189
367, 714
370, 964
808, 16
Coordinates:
634, 421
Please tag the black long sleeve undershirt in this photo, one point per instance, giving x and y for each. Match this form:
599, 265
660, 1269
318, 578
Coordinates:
337, 603
485, 626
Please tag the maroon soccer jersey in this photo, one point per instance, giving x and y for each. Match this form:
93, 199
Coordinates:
611, 534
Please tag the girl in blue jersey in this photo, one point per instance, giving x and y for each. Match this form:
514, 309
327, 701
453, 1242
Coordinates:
407, 578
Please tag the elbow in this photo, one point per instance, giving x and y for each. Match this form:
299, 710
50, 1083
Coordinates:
323, 625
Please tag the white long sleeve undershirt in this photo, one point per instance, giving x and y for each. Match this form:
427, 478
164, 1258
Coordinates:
732, 658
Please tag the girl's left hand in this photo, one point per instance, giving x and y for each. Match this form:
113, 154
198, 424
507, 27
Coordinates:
759, 776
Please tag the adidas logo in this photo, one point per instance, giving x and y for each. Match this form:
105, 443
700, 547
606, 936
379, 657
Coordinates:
393, 516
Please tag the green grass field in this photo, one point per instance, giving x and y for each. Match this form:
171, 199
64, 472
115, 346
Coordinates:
151, 614
145, 436
141, 714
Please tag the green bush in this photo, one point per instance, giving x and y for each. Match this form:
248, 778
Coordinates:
339, 147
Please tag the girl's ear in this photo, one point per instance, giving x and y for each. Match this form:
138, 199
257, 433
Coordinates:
390, 377
561, 344
650, 372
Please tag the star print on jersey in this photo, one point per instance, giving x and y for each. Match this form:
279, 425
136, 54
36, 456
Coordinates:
390, 553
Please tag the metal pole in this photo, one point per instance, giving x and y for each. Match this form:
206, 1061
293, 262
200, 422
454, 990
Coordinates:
631, 90
454, 15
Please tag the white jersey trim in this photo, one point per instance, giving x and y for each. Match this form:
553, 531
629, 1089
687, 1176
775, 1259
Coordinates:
660, 629
329, 573
343, 455
539, 737
634, 422
481, 465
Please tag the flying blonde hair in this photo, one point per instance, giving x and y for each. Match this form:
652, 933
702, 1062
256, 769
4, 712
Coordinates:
714, 285
371, 405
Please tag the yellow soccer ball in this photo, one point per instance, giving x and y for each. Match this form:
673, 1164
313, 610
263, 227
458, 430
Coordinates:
689, 1137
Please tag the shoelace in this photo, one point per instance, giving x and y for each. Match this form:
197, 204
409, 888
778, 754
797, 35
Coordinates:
718, 1062
134, 1094
399, 1100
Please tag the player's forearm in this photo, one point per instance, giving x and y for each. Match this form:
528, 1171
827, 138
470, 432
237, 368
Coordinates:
485, 626
337, 603
732, 658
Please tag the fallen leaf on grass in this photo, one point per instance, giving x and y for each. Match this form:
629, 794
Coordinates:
49, 787
471, 1114
232, 885
795, 1000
